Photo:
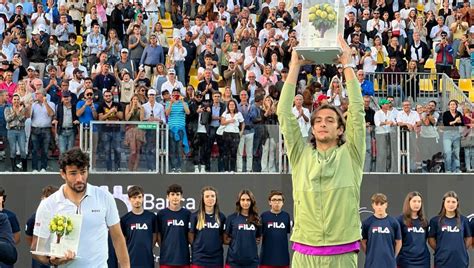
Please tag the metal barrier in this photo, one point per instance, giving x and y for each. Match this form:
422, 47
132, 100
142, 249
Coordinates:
136, 147
443, 150
259, 152
419, 87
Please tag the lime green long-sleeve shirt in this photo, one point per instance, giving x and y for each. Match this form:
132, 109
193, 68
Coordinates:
326, 185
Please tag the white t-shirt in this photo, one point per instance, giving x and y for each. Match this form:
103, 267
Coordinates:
410, 118
233, 127
304, 126
381, 117
255, 68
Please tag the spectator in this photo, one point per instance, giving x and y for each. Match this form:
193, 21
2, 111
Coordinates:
136, 45
113, 47
96, 43
320, 78
110, 133
52, 84
127, 88
176, 109
159, 79
444, 55
76, 85
418, 51
200, 115
86, 111
66, 123
15, 117
249, 113
8, 85
436, 33
384, 120
134, 137
172, 83
226, 48
117, 20
268, 78
366, 85
8, 48
395, 50
19, 72
40, 18
217, 109
97, 67
209, 63
452, 120
375, 26
302, 115
253, 64
69, 72
232, 127
138, 21
270, 121
408, 119
464, 53
207, 86
429, 136
412, 81
153, 112
42, 113
467, 139
234, 77
369, 165
70, 48
90, 17
63, 29
177, 54
152, 55
125, 63
106, 80
161, 37
191, 50
336, 92
394, 79
37, 52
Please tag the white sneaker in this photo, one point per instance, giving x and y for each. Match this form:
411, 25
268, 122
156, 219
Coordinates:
196, 169
43, 170
203, 169
35, 171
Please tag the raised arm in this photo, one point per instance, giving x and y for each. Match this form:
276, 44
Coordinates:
288, 123
355, 125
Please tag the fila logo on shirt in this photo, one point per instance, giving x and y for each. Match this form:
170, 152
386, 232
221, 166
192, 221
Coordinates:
246, 227
210, 225
380, 230
419, 230
449, 229
138, 226
276, 225
175, 222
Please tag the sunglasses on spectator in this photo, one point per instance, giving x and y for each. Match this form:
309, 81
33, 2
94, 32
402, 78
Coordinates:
89, 94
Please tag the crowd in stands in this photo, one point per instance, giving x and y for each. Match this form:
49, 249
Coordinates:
213, 71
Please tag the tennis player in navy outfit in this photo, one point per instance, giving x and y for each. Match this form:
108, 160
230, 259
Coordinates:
449, 234
173, 228
381, 236
206, 232
243, 232
276, 225
414, 227
139, 228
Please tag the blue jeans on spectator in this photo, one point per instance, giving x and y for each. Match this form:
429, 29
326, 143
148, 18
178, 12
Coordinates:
451, 146
40, 138
150, 150
111, 141
465, 68
162, 10
17, 137
175, 151
179, 68
469, 158
66, 140
395, 91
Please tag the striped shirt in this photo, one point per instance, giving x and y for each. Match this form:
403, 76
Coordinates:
177, 117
